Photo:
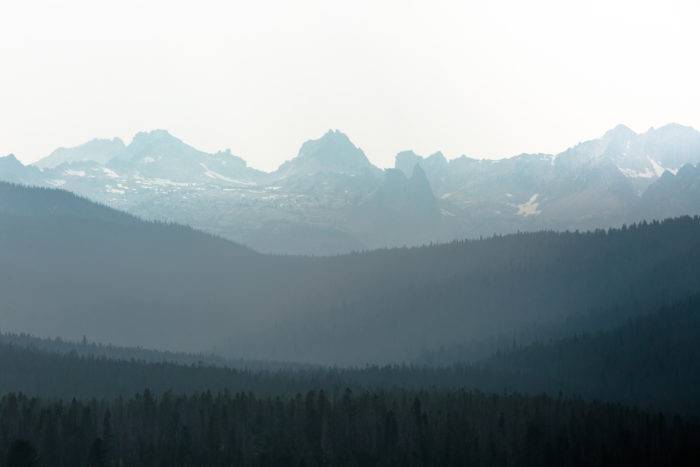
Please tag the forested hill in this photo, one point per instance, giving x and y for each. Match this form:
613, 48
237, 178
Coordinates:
69, 219
370, 416
391, 305
85, 348
66, 260
71, 272
652, 361
367, 428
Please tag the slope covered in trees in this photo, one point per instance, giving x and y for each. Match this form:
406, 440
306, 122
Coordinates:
88, 348
133, 283
652, 361
367, 428
396, 415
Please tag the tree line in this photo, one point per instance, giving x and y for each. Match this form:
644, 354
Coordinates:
405, 428
651, 361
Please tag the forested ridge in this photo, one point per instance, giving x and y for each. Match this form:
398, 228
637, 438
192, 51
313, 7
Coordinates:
592, 319
651, 361
356, 429
87, 348
67, 271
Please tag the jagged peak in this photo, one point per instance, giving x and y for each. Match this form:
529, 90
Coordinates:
154, 135
331, 137
159, 140
672, 129
406, 160
407, 154
465, 158
11, 161
94, 142
675, 126
410, 154
10, 157
619, 131
333, 149
335, 133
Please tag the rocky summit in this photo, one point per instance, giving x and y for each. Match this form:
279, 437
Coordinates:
331, 199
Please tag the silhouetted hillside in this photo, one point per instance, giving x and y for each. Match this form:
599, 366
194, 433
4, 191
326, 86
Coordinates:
652, 359
367, 428
203, 415
72, 268
85, 348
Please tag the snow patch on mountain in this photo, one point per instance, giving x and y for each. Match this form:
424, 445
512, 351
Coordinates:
159, 182
217, 176
631, 173
74, 173
116, 191
658, 170
530, 207
110, 173
653, 170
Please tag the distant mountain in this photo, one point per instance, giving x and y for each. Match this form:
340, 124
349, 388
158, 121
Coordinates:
96, 150
400, 211
642, 158
330, 199
74, 268
406, 161
411, 197
332, 153
673, 193
596, 183
159, 155
12, 170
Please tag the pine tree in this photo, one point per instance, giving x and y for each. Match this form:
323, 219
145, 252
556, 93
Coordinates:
21, 454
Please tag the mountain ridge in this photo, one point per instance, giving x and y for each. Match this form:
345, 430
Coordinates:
620, 131
99, 150
326, 199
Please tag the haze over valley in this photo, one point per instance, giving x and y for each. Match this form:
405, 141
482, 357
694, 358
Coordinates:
347, 234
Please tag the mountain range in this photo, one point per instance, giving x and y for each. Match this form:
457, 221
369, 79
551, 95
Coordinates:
331, 199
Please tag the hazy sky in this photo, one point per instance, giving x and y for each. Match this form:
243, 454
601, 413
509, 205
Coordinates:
487, 78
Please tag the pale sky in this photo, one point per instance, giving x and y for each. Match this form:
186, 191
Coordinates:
488, 78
